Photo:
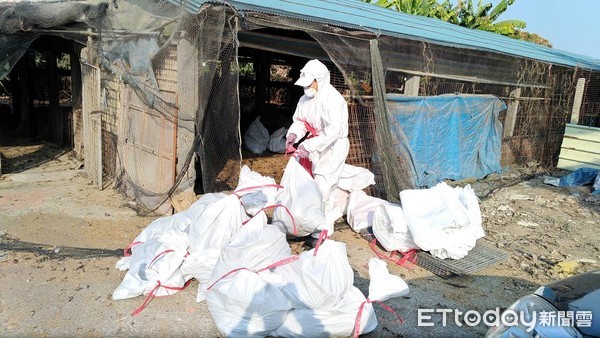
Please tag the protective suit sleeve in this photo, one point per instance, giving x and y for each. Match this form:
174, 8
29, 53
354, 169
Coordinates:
335, 126
297, 126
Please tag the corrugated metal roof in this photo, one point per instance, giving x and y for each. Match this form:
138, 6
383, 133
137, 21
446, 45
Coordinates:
359, 15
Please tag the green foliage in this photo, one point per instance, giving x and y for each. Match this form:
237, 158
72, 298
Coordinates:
465, 14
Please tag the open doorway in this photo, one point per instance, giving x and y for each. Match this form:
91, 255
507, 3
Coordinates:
37, 104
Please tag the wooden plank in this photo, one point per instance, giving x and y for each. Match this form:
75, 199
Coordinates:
574, 165
583, 133
411, 87
511, 113
577, 100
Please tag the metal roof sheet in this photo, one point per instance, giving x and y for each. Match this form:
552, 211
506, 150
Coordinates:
364, 16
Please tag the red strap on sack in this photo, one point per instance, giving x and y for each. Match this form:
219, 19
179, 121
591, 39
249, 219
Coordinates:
360, 312
277, 206
272, 266
322, 237
152, 294
280, 263
158, 256
409, 256
127, 250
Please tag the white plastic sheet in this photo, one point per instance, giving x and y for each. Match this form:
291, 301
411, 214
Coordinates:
444, 221
361, 208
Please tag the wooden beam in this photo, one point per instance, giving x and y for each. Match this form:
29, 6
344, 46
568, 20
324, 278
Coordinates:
511, 113
411, 87
578, 100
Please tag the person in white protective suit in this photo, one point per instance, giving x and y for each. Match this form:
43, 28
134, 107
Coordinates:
323, 112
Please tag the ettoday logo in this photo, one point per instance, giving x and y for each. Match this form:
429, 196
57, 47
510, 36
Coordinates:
495, 317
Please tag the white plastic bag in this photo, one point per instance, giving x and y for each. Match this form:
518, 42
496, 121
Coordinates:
255, 190
302, 197
153, 262
215, 225
321, 280
246, 304
277, 141
390, 229
256, 138
361, 208
442, 220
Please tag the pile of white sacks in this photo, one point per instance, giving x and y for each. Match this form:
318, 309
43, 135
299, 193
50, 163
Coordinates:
443, 220
251, 282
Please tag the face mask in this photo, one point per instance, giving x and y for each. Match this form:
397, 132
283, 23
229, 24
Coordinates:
310, 92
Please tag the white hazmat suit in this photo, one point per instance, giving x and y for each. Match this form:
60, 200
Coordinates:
327, 113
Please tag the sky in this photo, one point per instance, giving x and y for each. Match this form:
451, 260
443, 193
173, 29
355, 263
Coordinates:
569, 25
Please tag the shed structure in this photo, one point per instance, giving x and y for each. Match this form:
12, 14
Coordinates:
161, 91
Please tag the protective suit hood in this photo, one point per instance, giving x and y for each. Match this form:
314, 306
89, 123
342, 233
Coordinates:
314, 70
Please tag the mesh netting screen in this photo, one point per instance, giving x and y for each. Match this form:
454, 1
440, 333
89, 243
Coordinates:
171, 93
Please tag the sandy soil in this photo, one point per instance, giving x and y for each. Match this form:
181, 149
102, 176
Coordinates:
62, 286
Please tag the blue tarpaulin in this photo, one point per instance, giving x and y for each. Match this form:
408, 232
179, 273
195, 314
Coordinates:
450, 136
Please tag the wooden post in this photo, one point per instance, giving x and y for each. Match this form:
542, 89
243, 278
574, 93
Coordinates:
55, 121
75, 100
511, 113
577, 100
411, 86
187, 101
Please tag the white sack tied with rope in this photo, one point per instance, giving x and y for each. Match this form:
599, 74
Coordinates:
243, 295
320, 277
353, 314
303, 200
155, 263
210, 231
277, 141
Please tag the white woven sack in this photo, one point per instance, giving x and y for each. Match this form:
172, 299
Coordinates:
302, 197
157, 260
241, 301
390, 229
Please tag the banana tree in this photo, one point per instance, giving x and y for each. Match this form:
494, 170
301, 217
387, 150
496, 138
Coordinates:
464, 14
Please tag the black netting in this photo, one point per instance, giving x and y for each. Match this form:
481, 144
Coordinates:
171, 88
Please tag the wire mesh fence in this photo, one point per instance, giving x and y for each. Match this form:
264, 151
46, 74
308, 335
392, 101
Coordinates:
171, 106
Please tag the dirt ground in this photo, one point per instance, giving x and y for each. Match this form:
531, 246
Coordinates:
60, 238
